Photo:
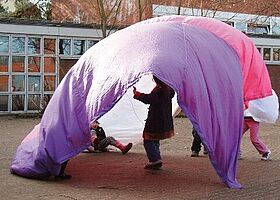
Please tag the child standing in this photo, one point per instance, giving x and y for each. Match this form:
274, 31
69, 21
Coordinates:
159, 124
254, 126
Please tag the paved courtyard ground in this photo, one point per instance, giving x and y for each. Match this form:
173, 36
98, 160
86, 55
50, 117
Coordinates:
116, 176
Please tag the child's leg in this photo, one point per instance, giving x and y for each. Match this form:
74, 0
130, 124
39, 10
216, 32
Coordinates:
103, 144
63, 167
245, 126
254, 136
152, 150
196, 144
62, 174
112, 141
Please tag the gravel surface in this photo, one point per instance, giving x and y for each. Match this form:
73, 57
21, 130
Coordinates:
112, 175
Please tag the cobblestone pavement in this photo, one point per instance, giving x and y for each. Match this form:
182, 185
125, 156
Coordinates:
116, 176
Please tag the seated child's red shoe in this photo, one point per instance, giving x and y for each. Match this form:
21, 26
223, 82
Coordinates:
127, 148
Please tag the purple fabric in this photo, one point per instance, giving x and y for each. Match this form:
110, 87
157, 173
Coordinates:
202, 69
256, 80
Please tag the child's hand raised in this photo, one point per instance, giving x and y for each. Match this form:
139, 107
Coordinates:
135, 92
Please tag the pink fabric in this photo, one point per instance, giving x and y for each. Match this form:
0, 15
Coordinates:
256, 81
254, 135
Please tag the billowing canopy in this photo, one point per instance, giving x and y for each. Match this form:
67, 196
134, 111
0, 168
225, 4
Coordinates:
252, 65
204, 69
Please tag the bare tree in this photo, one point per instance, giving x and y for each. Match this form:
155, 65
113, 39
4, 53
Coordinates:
26, 9
3, 11
44, 7
257, 7
143, 7
108, 12
267, 8
179, 7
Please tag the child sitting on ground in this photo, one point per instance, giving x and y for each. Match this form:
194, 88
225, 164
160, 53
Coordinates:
100, 142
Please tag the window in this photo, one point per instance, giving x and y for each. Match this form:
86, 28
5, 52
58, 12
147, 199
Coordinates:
18, 63
34, 64
91, 43
34, 83
49, 83
266, 53
4, 80
18, 102
64, 66
34, 101
79, 47
276, 54
258, 28
3, 102
4, 44
4, 62
65, 46
18, 45
18, 82
46, 99
34, 45
229, 23
49, 46
49, 64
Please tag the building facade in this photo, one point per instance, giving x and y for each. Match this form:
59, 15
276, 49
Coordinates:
34, 57
258, 19
263, 30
